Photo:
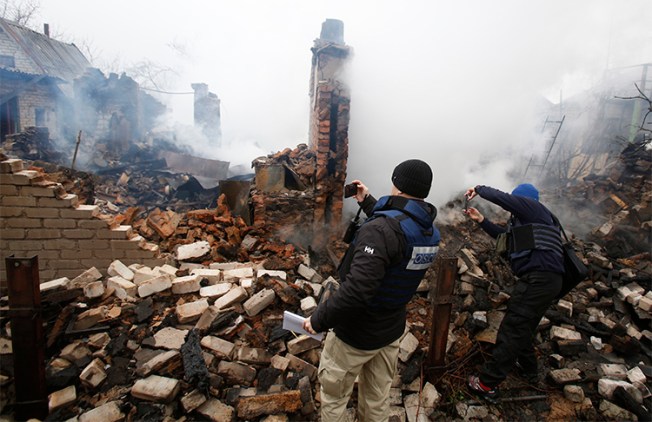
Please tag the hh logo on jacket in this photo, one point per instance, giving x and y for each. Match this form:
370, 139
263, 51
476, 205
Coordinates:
368, 250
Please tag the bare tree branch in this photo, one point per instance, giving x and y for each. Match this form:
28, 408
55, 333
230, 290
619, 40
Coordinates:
649, 107
22, 12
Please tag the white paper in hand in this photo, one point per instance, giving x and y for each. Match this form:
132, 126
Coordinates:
294, 322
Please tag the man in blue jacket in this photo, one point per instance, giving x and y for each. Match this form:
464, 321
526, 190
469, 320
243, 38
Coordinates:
379, 274
534, 248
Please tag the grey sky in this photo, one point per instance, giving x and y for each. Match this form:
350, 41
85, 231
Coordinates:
446, 81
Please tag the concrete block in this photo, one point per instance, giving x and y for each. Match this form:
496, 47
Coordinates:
192, 400
76, 353
247, 283
193, 250
88, 276
636, 376
280, 362
186, 284
560, 333
206, 319
167, 269
407, 347
154, 285
213, 276
28, 223
93, 375
94, 289
156, 388
306, 272
253, 356
645, 304
42, 234
308, 305
565, 376
42, 191
233, 275
21, 177
301, 344
142, 274
117, 268
614, 371
18, 201
236, 295
11, 165
215, 291
108, 412
59, 223
216, 411
62, 398
118, 233
157, 362
219, 347
191, 311
299, 365
90, 317
117, 282
170, 338
53, 285
606, 388
236, 373
66, 201
565, 307
261, 300
81, 211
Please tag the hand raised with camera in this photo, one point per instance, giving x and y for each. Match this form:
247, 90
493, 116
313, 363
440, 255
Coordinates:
362, 192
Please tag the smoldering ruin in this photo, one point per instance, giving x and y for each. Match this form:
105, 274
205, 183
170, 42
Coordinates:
141, 281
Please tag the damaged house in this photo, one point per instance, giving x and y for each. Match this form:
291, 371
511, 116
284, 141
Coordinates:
36, 75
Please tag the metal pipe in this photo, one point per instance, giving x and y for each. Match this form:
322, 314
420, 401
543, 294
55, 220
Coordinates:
441, 313
27, 338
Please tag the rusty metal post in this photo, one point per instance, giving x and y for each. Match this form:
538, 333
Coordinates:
27, 338
441, 314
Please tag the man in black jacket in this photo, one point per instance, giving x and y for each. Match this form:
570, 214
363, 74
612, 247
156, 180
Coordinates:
379, 274
535, 256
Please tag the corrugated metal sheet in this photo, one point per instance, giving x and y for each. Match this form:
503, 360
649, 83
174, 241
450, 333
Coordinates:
47, 56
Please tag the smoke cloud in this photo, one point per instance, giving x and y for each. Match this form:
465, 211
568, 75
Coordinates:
457, 84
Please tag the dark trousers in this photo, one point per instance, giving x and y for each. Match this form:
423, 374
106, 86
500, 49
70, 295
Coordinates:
532, 295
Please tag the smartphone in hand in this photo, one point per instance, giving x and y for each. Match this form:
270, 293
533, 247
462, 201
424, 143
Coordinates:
350, 190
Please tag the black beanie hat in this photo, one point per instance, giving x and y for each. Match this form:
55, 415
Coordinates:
413, 177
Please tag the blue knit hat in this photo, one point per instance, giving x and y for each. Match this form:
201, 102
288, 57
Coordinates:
527, 190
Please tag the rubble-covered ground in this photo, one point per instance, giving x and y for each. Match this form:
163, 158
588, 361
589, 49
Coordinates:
201, 337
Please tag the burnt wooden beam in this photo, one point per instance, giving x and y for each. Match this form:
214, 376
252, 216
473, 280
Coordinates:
441, 313
27, 338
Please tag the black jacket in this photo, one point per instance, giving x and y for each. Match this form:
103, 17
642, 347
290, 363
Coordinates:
526, 211
347, 310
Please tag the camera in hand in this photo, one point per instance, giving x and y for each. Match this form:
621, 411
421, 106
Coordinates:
350, 190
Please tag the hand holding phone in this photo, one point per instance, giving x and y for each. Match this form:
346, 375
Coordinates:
350, 190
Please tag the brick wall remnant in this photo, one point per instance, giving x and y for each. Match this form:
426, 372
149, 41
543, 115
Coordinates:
300, 192
329, 127
38, 217
207, 112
